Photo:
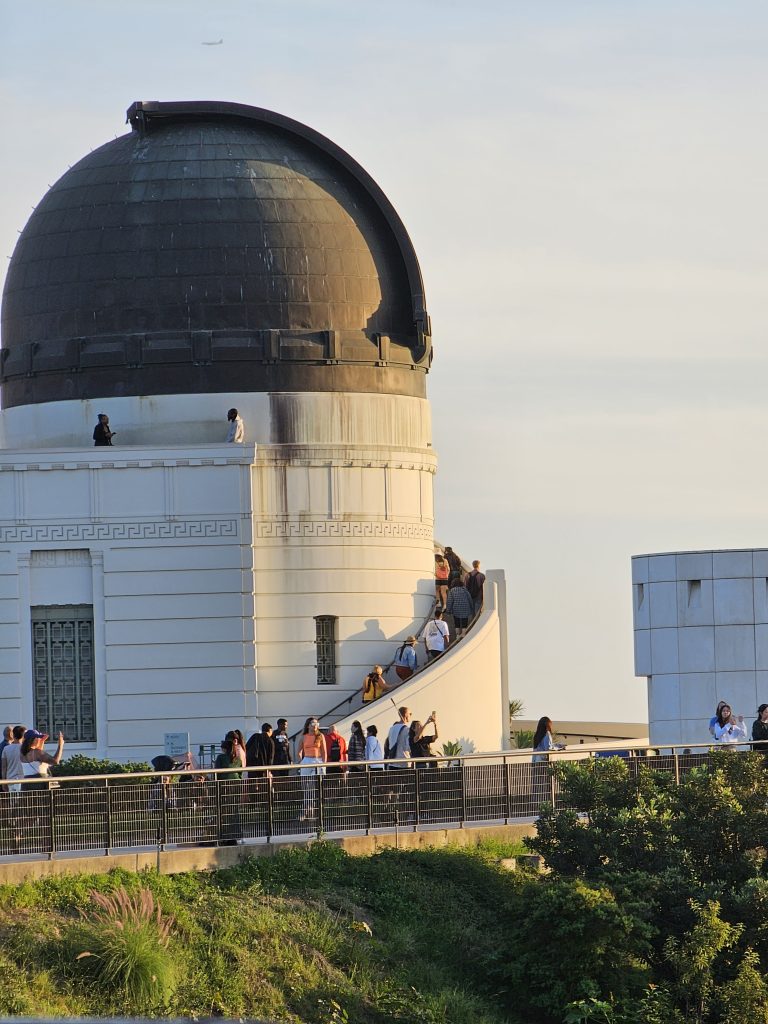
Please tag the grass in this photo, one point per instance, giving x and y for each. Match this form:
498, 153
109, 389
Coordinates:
310, 936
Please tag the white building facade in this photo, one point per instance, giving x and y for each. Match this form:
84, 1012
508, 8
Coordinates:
219, 256
701, 635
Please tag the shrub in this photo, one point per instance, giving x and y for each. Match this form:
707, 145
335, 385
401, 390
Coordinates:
79, 764
122, 947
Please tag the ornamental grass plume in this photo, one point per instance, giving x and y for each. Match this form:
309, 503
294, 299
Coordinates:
123, 947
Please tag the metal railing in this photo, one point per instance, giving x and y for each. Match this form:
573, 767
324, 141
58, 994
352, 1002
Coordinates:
113, 813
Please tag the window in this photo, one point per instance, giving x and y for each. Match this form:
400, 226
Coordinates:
325, 644
62, 671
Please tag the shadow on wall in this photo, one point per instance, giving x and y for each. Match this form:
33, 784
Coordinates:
467, 745
372, 632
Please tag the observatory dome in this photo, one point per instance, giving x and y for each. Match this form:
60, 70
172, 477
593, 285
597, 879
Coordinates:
214, 248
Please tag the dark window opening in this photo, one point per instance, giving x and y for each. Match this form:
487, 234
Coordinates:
325, 644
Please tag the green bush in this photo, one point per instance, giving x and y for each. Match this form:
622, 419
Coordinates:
79, 764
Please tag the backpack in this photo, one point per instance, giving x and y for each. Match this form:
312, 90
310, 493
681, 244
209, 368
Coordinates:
390, 753
473, 586
334, 751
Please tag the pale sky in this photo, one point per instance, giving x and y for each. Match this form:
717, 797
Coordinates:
583, 185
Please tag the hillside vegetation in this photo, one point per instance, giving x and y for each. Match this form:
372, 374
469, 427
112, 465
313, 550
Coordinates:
655, 911
309, 935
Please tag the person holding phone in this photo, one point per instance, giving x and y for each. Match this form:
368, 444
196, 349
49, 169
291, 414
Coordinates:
729, 728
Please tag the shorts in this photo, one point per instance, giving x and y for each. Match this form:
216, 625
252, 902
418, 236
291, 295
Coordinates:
460, 623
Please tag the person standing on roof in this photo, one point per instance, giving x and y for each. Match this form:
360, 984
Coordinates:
236, 432
102, 435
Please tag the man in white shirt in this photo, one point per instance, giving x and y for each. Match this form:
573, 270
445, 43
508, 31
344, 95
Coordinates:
435, 635
236, 432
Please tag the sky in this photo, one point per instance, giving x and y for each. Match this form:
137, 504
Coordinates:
583, 183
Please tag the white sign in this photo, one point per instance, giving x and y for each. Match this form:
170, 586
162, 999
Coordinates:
176, 744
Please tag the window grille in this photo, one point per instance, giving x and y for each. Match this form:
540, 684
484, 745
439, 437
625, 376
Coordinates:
64, 692
325, 644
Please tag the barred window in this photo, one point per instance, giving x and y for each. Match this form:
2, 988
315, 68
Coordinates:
64, 691
325, 644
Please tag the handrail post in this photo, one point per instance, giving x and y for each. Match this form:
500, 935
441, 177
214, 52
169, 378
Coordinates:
109, 815
217, 799
320, 799
369, 794
416, 793
676, 760
507, 792
52, 812
163, 831
463, 793
270, 806
552, 791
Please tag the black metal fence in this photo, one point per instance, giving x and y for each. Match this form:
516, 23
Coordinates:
213, 808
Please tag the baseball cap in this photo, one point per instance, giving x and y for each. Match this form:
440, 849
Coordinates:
33, 734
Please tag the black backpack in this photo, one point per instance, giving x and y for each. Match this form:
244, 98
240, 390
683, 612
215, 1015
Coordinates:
334, 751
390, 753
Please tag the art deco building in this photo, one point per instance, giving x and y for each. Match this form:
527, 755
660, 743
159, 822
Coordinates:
216, 256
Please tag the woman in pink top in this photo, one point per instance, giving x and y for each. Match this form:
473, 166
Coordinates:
312, 755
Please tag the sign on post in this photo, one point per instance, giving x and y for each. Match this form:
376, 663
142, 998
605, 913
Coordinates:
176, 744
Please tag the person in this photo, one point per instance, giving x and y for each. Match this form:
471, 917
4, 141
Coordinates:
229, 756
713, 719
460, 606
543, 740
336, 747
373, 751
421, 745
239, 746
729, 728
435, 635
442, 572
356, 748
230, 793
10, 769
260, 750
102, 435
236, 432
405, 659
374, 685
397, 748
282, 744
313, 754
10, 760
7, 734
34, 760
760, 732
474, 582
454, 563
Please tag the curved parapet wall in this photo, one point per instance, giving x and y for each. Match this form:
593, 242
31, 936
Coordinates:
701, 635
467, 687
